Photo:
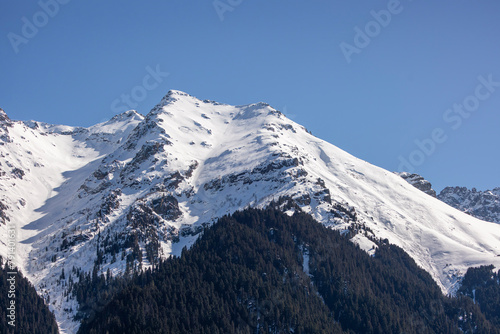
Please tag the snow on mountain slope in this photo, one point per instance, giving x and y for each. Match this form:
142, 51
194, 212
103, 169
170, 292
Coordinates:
40, 165
122, 194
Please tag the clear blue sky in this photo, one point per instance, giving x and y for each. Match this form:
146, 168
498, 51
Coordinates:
404, 73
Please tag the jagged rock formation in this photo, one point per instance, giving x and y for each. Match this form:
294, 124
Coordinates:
484, 205
418, 182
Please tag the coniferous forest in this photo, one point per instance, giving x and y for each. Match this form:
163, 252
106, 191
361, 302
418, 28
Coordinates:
31, 315
262, 271
483, 286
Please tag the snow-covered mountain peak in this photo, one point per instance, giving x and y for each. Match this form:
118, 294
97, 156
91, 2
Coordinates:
127, 119
127, 115
174, 96
124, 193
3, 114
173, 92
4, 119
179, 111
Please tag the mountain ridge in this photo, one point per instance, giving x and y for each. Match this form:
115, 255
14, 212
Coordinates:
122, 194
484, 205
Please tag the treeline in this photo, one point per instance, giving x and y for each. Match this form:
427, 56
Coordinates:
29, 314
261, 271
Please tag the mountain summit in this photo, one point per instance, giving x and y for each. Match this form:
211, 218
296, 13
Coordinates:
120, 195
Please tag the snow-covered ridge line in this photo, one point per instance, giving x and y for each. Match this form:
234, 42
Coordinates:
121, 194
484, 205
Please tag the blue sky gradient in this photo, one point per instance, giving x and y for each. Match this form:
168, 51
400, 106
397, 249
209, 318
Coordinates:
384, 100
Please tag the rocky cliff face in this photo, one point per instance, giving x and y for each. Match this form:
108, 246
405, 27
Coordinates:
418, 182
484, 205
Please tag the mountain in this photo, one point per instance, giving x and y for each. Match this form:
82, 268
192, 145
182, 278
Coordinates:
261, 271
418, 182
484, 205
121, 195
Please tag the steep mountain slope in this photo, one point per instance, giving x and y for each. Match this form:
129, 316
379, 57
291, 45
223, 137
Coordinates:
122, 194
262, 271
484, 205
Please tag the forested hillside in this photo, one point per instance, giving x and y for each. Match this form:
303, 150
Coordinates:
261, 271
482, 284
30, 314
